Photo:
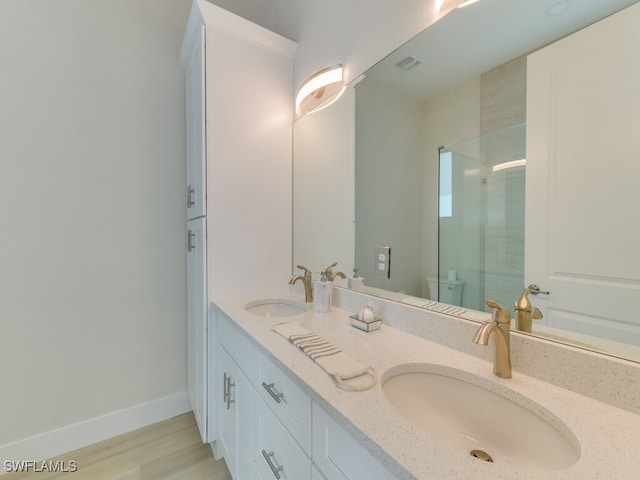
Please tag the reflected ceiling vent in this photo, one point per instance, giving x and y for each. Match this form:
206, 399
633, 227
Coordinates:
408, 63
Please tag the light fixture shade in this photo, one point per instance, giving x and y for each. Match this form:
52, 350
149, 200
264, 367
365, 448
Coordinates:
507, 165
320, 90
446, 5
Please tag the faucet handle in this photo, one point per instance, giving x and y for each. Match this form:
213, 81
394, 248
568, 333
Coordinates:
500, 314
331, 275
329, 270
523, 302
307, 272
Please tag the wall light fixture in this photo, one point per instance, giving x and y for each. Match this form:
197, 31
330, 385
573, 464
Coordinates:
320, 90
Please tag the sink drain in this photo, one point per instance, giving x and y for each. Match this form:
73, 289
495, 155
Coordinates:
484, 456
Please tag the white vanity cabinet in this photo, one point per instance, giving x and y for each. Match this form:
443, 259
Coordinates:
338, 456
236, 399
276, 453
290, 404
271, 428
239, 96
236, 419
283, 423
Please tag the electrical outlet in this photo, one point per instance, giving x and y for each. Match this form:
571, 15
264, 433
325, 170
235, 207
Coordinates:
383, 262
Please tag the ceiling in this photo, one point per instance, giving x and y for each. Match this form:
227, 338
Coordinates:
284, 17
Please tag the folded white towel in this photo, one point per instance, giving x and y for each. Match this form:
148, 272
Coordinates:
334, 361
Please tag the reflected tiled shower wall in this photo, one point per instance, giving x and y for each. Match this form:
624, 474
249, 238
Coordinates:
503, 105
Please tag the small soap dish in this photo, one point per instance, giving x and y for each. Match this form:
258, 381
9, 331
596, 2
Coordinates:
366, 326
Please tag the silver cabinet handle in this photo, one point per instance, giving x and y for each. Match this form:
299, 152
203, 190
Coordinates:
273, 392
191, 244
535, 290
190, 194
227, 391
274, 470
225, 388
229, 385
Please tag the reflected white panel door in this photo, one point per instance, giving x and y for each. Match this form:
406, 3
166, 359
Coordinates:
583, 171
197, 322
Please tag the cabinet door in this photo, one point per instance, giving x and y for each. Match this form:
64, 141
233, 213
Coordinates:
227, 438
197, 322
236, 419
195, 113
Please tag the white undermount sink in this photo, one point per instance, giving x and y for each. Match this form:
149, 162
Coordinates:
275, 307
475, 416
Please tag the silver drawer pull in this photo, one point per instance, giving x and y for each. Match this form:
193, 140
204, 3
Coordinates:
191, 244
272, 391
190, 194
267, 457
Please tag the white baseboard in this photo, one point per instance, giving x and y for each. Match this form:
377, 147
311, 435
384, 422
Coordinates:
55, 442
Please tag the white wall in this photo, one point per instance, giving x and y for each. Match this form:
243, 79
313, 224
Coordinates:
92, 289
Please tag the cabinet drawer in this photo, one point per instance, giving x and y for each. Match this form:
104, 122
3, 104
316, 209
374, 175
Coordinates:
276, 452
338, 456
239, 347
290, 404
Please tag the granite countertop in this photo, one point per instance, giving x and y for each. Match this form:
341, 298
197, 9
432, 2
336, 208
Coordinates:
607, 437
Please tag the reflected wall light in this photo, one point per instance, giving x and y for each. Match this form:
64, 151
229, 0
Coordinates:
320, 90
508, 165
446, 4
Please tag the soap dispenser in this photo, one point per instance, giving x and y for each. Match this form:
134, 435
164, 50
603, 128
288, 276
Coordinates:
356, 282
322, 292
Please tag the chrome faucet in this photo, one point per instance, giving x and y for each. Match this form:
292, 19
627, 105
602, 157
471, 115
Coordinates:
524, 311
306, 282
330, 273
500, 327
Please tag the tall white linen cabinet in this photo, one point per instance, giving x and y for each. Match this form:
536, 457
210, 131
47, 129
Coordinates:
239, 114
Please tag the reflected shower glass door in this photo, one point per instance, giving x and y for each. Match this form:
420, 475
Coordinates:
481, 220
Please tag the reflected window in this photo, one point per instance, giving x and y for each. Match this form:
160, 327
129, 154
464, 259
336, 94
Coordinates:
445, 201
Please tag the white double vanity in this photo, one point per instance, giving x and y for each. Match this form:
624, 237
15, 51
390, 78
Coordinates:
436, 410
310, 428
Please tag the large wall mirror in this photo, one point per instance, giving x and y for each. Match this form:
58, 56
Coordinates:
497, 149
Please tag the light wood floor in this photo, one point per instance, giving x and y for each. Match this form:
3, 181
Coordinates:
169, 450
